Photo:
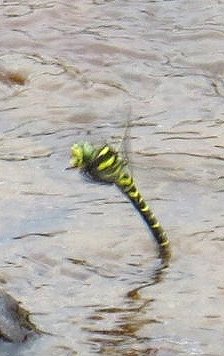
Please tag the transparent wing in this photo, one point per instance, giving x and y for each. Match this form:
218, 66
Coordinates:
125, 146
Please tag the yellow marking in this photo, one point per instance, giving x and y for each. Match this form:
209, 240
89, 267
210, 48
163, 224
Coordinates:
104, 151
125, 181
133, 194
165, 243
107, 164
154, 226
129, 187
146, 208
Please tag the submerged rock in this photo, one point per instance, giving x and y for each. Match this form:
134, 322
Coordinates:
15, 325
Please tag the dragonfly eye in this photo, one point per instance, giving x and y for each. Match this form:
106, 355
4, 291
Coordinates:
77, 156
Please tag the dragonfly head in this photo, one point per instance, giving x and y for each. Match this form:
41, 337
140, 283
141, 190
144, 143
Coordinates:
81, 154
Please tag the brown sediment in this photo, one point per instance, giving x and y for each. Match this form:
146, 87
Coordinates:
12, 77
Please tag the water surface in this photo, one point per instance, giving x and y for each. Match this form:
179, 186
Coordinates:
72, 251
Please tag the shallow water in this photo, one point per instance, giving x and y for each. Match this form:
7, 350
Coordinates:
72, 251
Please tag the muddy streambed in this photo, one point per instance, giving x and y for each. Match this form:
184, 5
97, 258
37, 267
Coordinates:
72, 251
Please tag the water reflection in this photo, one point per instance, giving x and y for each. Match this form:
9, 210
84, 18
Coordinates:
123, 333
116, 329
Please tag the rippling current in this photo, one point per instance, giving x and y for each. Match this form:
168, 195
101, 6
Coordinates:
73, 252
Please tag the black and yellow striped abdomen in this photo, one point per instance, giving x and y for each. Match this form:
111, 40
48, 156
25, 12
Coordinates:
108, 167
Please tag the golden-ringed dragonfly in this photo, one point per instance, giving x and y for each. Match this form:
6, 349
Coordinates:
104, 164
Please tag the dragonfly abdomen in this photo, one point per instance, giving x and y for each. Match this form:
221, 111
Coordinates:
127, 185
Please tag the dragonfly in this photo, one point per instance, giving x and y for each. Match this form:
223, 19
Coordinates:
105, 164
